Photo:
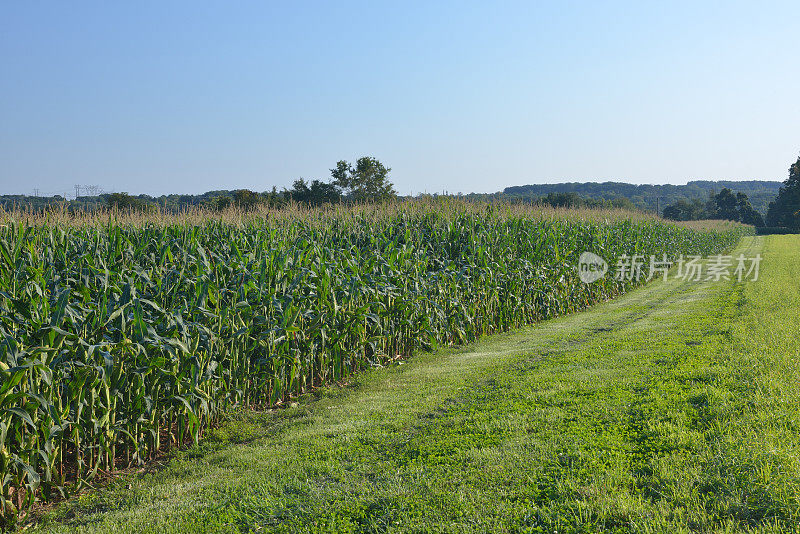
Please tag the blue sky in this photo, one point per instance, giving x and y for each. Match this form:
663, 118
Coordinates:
177, 96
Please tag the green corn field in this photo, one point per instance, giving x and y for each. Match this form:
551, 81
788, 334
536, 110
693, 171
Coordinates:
121, 337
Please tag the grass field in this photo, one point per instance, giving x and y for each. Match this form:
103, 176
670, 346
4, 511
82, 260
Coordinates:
671, 409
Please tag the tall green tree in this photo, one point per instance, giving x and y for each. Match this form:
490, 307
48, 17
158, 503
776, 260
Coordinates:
685, 210
222, 202
246, 199
746, 213
124, 201
316, 193
733, 207
785, 210
723, 205
272, 198
367, 181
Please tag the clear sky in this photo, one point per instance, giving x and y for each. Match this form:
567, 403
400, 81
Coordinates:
189, 96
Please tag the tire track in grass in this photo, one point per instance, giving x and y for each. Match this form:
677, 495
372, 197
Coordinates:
646, 444
700, 380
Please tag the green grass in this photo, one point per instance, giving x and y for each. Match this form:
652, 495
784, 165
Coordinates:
671, 409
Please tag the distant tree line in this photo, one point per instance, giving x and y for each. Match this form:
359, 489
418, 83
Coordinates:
366, 181
646, 197
574, 200
783, 212
725, 205
241, 198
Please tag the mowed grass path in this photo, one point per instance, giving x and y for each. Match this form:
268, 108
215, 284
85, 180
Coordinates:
674, 408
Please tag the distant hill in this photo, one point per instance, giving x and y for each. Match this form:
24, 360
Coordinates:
760, 193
